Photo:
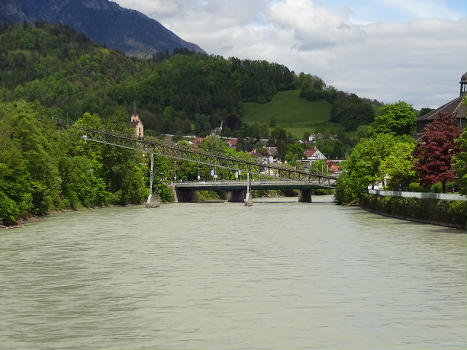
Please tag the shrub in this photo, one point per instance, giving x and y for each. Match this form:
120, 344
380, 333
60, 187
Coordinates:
416, 187
165, 193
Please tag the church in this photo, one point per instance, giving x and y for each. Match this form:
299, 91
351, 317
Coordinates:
137, 124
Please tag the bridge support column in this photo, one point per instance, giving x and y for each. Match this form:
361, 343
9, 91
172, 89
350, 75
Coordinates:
304, 196
236, 196
186, 196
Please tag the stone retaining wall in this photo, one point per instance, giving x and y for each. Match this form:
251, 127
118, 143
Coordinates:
443, 212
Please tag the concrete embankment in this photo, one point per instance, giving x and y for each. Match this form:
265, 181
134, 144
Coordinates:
427, 208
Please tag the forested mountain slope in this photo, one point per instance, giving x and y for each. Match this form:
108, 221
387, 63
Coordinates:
181, 94
105, 22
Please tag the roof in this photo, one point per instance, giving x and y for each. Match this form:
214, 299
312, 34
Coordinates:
454, 106
272, 151
197, 141
310, 152
233, 142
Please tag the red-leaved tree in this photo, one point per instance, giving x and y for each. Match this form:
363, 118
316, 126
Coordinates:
435, 150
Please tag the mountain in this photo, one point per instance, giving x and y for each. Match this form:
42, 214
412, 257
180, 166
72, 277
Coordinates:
103, 21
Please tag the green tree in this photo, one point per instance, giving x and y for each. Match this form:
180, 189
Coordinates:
397, 167
319, 167
280, 139
362, 168
294, 154
395, 119
459, 162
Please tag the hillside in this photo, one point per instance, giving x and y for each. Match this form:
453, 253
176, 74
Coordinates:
287, 110
182, 94
105, 22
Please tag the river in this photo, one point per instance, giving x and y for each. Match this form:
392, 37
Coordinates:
276, 275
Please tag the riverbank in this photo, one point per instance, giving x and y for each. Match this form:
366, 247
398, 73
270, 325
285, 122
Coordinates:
449, 213
24, 221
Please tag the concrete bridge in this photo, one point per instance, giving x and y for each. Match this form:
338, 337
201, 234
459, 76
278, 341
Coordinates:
186, 192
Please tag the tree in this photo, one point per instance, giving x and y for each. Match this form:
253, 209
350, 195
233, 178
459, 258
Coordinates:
362, 167
351, 111
435, 150
459, 162
398, 166
280, 139
395, 119
319, 167
424, 110
294, 154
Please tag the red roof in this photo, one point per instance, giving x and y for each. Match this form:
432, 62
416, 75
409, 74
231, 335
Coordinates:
197, 141
232, 143
310, 152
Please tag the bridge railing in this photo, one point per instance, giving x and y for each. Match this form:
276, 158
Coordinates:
255, 169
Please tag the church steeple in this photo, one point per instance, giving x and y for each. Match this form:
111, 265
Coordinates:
136, 122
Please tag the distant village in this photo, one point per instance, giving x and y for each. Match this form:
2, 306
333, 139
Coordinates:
266, 155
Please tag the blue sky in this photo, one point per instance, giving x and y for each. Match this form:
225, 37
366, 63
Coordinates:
389, 50
403, 10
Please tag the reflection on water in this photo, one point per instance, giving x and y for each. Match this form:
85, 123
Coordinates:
221, 275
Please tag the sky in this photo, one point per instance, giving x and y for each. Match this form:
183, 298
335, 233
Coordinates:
389, 50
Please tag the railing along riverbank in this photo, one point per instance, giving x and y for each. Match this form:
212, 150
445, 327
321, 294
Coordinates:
445, 209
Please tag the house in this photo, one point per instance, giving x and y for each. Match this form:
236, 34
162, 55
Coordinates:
313, 154
196, 142
232, 142
272, 152
137, 124
264, 155
312, 138
333, 167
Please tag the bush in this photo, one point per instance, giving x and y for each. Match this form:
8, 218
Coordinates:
165, 193
416, 187
437, 188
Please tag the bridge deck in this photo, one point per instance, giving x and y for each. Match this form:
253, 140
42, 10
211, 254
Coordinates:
255, 185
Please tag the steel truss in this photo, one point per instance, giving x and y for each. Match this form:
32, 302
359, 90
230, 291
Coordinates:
256, 169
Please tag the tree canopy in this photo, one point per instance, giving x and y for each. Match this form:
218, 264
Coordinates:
395, 119
436, 149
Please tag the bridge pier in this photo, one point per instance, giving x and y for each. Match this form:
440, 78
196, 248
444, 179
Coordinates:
236, 196
186, 196
304, 196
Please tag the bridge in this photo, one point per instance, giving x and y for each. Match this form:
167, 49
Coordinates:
258, 175
237, 190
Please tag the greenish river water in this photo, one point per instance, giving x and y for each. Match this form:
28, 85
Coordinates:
276, 275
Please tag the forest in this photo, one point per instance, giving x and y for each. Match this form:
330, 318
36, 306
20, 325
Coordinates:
185, 93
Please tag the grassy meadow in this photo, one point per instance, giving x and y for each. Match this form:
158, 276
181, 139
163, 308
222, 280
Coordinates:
290, 112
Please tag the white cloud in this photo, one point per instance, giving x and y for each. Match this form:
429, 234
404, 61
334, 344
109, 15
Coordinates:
314, 26
418, 60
